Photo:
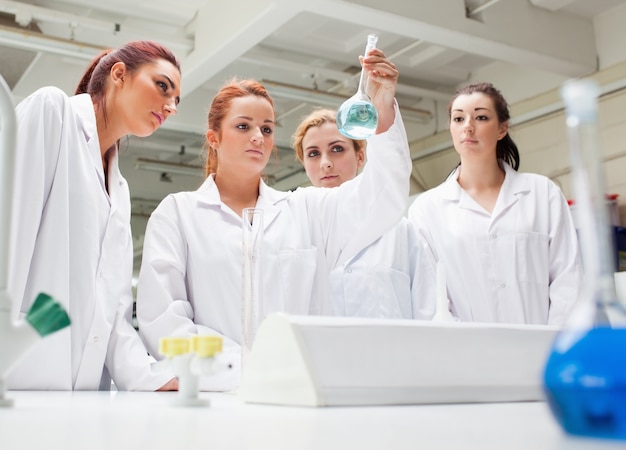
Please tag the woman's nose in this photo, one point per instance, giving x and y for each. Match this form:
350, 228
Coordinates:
326, 163
171, 109
257, 138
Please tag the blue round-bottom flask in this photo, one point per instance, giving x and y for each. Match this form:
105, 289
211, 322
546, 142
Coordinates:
585, 382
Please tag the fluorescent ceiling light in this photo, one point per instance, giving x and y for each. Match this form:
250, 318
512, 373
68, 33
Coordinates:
36, 42
169, 167
302, 94
331, 99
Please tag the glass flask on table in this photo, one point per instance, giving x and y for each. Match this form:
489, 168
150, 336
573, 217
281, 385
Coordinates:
585, 374
357, 117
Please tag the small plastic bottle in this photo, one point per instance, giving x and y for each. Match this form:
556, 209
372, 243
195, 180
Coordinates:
190, 358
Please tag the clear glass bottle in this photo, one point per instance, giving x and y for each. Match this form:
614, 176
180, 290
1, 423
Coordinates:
252, 225
585, 375
357, 117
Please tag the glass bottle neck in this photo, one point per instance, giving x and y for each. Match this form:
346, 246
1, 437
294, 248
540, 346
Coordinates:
372, 40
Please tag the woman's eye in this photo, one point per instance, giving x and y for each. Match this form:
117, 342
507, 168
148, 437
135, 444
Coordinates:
267, 130
162, 85
337, 148
482, 118
312, 154
457, 119
242, 126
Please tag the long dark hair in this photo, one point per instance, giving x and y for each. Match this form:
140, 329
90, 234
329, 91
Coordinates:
133, 54
506, 149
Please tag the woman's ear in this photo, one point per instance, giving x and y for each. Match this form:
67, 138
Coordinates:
360, 158
211, 139
118, 73
503, 129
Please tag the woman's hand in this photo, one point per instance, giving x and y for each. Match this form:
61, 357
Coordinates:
171, 385
381, 86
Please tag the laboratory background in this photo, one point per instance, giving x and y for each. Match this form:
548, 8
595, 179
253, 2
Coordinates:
306, 54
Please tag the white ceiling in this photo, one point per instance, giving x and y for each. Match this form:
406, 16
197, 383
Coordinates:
314, 45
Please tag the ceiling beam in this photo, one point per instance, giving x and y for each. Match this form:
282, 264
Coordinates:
515, 32
224, 33
109, 31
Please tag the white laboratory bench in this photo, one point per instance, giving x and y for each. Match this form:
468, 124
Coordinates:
148, 420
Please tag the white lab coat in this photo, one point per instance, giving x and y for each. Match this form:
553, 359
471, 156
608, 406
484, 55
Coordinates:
519, 264
72, 240
191, 274
394, 277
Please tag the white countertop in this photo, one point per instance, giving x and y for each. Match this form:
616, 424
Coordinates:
149, 420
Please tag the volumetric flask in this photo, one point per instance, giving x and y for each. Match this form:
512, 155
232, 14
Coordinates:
585, 375
357, 117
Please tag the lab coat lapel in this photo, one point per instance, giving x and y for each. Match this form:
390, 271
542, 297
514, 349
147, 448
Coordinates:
208, 193
87, 117
268, 201
512, 188
453, 192
117, 186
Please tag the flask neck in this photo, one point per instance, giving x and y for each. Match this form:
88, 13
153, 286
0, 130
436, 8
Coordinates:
372, 40
595, 234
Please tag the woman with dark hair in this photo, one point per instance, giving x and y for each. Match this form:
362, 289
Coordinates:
191, 274
506, 239
71, 233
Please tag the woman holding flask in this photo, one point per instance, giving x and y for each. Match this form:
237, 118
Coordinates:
191, 274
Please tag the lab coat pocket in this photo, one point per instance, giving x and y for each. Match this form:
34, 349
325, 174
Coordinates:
378, 291
296, 277
532, 255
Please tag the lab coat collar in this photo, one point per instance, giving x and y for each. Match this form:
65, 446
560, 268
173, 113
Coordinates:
268, 199
451, 190
86, 116
512, 188
269, 195
209, 194
117, 183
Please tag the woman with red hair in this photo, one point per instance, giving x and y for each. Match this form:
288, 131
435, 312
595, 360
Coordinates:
71, 234
191, 274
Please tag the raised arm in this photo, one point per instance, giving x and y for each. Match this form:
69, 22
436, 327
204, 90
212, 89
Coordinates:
361, 210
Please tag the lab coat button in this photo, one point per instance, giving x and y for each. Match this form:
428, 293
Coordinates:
348, 270
494, 236
503, 285
96, 339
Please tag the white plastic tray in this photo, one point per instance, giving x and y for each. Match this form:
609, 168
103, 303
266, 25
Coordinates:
331, 361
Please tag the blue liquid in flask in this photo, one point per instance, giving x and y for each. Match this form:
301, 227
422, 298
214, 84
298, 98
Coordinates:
359, 121
585, 383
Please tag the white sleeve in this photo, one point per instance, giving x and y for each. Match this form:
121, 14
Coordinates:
128, 361
423, 276
39, 130
361, 210
127, 358
163, 308
565, 267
